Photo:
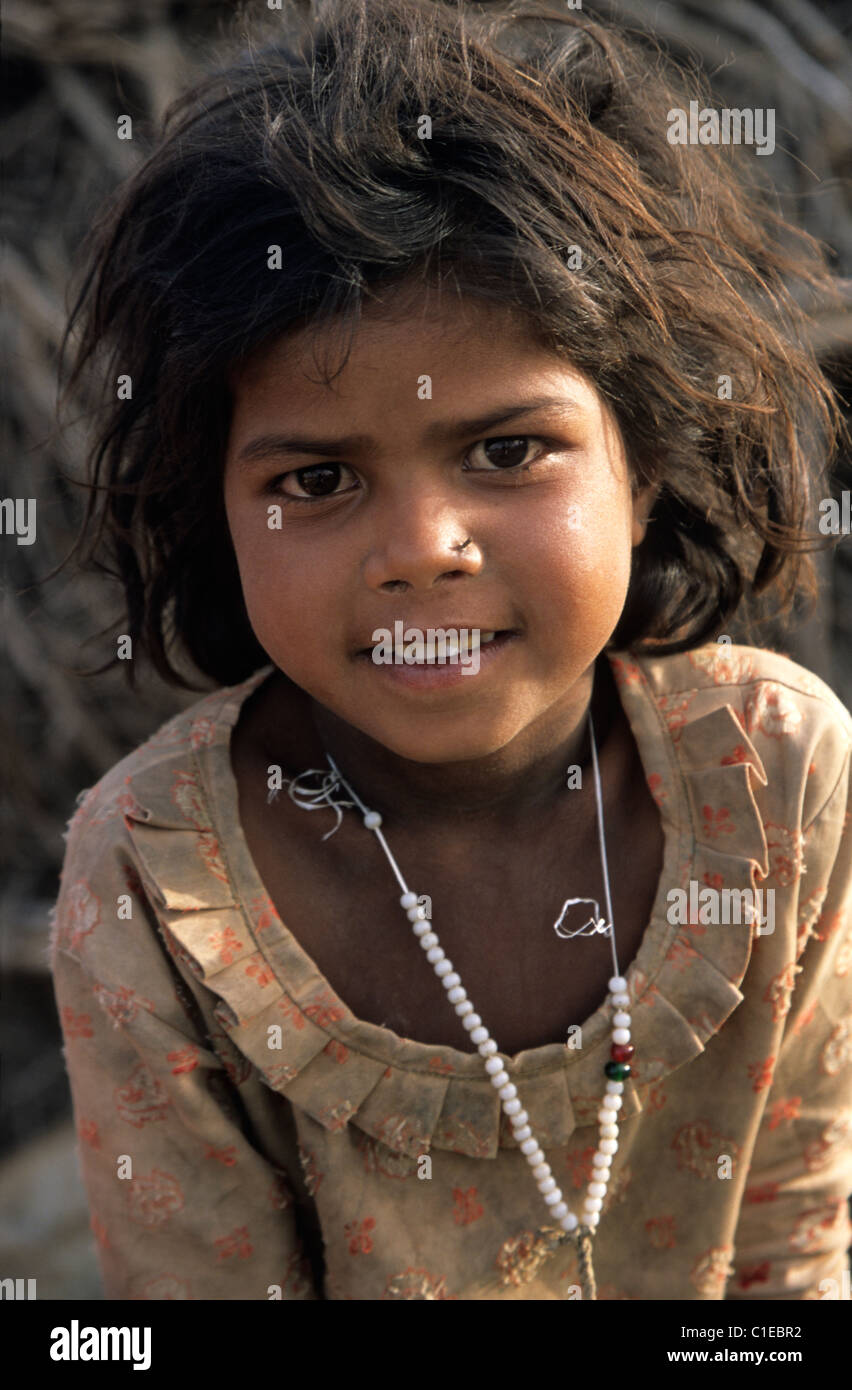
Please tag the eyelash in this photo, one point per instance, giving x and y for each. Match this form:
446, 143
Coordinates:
272, 488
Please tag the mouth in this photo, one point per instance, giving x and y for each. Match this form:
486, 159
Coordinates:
450, 648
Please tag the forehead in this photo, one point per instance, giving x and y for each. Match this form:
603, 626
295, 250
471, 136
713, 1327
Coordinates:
412, 320
338, 386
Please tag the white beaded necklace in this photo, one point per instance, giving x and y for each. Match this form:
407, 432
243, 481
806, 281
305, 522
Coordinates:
621, 1050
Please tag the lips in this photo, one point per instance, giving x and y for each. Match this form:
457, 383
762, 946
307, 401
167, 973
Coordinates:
475, 637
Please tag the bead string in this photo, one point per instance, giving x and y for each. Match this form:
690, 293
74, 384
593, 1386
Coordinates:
616, 1069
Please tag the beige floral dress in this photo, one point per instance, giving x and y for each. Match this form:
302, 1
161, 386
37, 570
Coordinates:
243, 1135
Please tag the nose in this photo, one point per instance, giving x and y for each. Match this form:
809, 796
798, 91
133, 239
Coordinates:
417, 543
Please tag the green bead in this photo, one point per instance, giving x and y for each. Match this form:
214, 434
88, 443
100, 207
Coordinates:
617, 1071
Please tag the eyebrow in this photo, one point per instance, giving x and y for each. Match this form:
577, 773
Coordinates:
267, 446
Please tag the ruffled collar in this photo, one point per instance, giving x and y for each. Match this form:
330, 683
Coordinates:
285, 1019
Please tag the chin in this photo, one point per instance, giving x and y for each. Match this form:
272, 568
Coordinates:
442, 746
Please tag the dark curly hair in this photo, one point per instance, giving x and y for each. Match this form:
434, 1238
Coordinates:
549, 132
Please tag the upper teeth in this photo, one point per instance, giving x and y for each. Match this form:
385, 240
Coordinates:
451, 646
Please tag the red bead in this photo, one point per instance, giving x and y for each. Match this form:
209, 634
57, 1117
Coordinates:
622, 1052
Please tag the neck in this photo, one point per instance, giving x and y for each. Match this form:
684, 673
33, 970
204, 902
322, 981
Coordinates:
515, 786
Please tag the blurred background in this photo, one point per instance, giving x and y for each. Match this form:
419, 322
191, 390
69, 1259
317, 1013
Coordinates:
70, 68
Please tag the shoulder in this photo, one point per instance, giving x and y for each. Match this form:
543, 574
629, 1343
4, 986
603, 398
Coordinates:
798, 727
142, 784
737, 668
154, 790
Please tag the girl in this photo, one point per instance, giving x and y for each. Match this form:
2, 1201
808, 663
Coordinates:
523, 978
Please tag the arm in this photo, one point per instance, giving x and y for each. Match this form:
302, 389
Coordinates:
793, 1233
182, 1205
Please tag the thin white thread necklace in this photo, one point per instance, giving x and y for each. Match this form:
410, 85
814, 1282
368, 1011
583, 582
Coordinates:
621, 1049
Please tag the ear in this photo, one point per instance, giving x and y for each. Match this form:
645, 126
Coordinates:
643, 502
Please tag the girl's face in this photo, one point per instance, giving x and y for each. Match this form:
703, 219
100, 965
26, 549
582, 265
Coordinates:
443, 427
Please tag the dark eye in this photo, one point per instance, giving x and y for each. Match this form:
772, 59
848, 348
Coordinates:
505, 452
317, 480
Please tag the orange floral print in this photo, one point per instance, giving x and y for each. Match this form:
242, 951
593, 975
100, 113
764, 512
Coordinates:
711, 1270
153, 1198
466, 1209
179, 1049
278, 1194
323, 1009
763, 1192
260, 971
312, 1175
201, 733
626, 672
785, 1110
772, 711
236, 1242
661, 1232
439, 1065
417, 1283
812, 1226
82, 915
822, 1151
298, 1278
578, 1163
837, 1052
208, 847
99, 1231
378, 1158
187, 797
681, 954
142, 1099
291, 1012
122, 1004
761, 1073
675, 711
263, 912
723, 663
76, 1025
337, 1114
657, 1097
717, 822
358, 1235
786, 853
779, 991
225, 1155
185, 1059
655, 787
826, 928
226, 945
88, 1132
699, 1148
753, 1274
805, 1019
520, 1257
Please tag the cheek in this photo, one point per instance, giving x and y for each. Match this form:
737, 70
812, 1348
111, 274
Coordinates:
286, 595
286, 600
583, 558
